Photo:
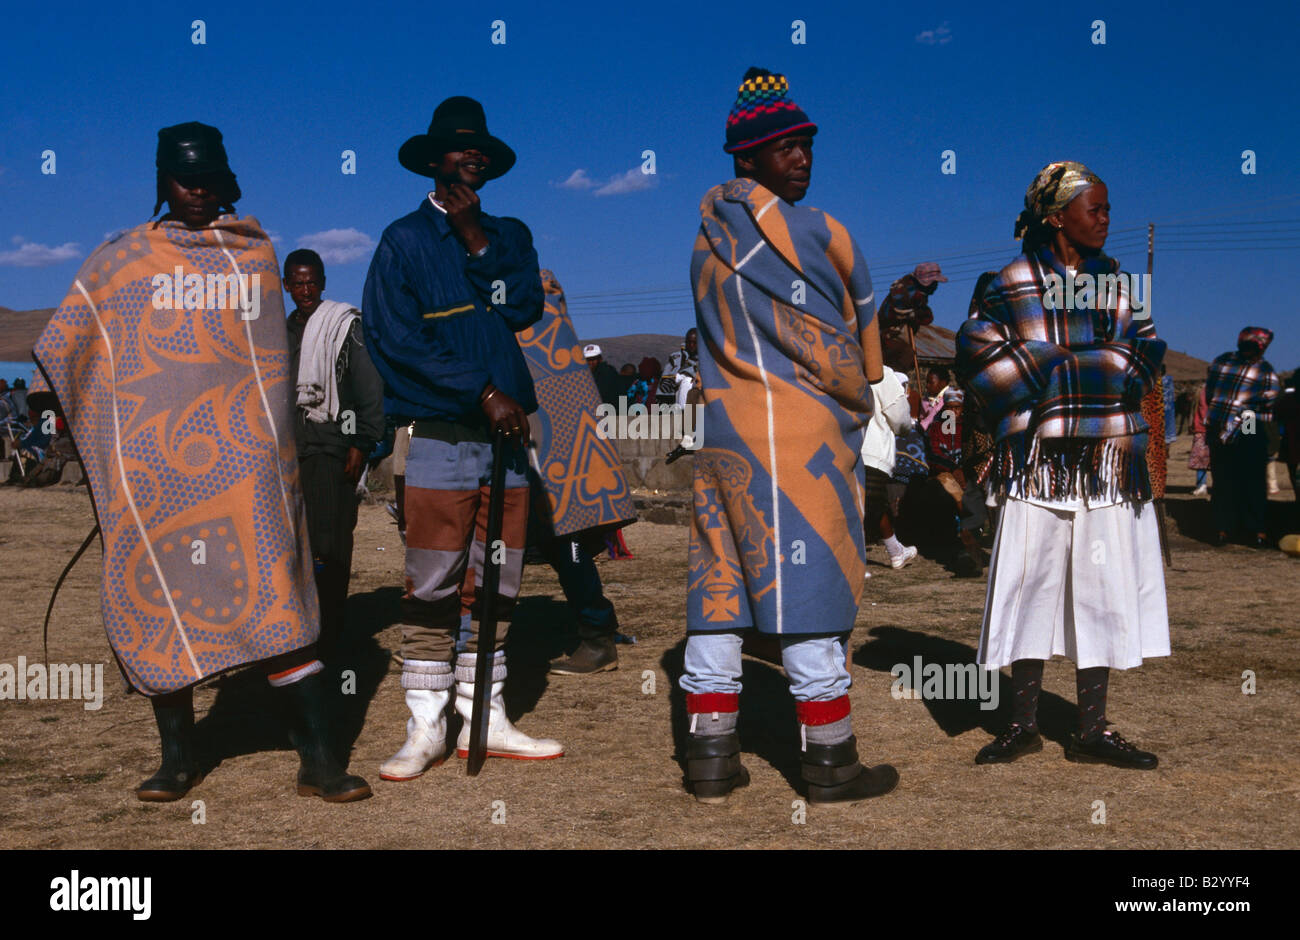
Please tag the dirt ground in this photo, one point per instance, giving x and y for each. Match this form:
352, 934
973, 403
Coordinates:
1229, 773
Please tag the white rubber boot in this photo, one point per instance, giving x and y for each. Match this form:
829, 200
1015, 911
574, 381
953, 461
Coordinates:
504, 739
426, 736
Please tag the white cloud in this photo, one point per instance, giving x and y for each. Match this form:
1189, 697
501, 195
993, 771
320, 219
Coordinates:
31, 255
630, 182
578, 179
339, 245
935, 37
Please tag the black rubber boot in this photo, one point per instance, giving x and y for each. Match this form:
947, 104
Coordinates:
834, 775
180, 772
320, 774
713, 767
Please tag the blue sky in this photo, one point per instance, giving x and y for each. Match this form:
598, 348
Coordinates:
1162, 112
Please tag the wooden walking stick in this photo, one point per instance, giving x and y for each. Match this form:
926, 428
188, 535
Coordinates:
487, 628
916, 365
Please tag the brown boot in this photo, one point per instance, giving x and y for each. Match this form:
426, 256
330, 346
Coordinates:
597, 655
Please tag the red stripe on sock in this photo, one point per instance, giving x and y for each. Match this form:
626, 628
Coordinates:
822, 713
709, 702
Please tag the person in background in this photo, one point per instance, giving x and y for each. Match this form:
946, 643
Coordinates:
8, 408
627, 378
681, 372
19, 395
566, 530
1168, 394
1241, 388
607, 380
939, 379
945, 438
1288, 419
1199, 458
905, 309
649, 370
339, 419
892, 415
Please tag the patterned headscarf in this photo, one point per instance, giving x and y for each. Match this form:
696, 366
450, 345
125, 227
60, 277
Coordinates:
1052, 190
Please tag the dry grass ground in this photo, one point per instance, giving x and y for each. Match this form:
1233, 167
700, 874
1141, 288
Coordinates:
1228, 776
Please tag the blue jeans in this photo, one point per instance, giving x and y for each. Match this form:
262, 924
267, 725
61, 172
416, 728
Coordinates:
814, 664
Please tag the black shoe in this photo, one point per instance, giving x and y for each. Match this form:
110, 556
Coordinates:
591, 656
713, 767
180, 771
320, 774
834, 775
967, 565
1109, 748
1010, 745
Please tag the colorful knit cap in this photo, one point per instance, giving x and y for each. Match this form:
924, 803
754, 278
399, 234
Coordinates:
762, 112
1052, 190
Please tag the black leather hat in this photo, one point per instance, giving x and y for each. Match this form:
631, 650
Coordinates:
191, 149
458, 123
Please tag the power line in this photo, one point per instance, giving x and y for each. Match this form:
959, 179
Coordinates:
971, 260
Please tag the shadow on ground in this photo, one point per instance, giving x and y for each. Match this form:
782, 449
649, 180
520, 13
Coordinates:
249, 716
894, 646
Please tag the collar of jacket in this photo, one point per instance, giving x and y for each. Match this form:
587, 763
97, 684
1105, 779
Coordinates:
438, 219
443, 227
1099, 263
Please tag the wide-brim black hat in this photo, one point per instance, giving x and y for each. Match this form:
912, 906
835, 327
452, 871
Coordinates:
458, 124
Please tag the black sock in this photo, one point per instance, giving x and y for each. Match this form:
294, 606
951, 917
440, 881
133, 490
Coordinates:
1091, 685
1026, 683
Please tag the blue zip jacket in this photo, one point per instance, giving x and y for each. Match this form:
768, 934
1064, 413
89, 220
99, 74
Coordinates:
431, 327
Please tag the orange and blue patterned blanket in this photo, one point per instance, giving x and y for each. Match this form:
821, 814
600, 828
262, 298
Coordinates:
786, 315
580, 472
179, 401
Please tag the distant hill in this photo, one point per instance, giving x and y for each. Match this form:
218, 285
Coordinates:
19, 330
935, 343
635, 347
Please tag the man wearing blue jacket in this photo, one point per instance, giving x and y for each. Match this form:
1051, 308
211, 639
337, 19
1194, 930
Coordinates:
448, 288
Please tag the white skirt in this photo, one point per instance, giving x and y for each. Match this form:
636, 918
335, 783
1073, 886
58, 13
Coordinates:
1088, 585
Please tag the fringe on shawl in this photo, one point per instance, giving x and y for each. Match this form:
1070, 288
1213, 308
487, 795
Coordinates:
1070, 467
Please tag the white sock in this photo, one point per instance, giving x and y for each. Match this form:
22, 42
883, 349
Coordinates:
893, 545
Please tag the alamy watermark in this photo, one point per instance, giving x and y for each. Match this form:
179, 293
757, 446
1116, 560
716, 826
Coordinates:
181, 291
684, 423
104, 893
1098, 292
60, 681
946, 682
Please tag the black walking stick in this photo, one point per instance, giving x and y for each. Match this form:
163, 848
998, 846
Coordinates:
487, 628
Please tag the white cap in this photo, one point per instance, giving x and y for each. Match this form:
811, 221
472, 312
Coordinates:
591, 350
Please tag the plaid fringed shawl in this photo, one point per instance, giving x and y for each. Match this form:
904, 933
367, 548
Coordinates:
1061, 388
1235, 385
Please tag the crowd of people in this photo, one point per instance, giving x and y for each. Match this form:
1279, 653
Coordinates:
649, 382
818, 441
